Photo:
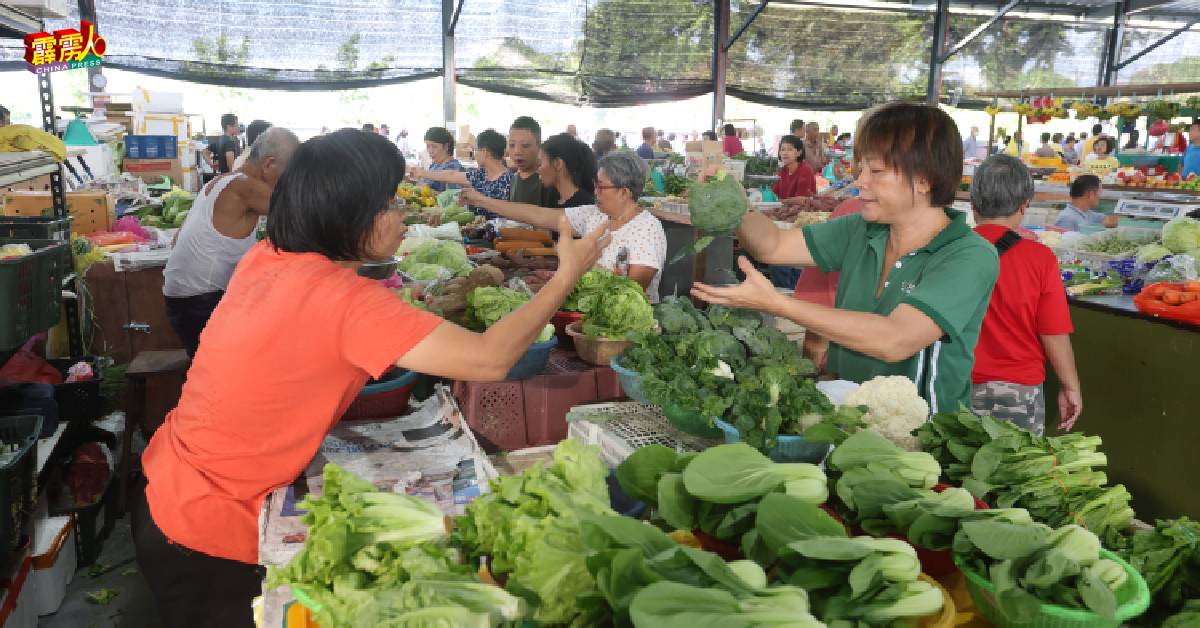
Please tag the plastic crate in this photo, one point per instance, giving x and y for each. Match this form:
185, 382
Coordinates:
788, 447
608, 384
631, 381
35, 228
79, 402
1132, 600
31, 290
628, 426
18, 490
384, 399
533, 362
495, 411
548, 398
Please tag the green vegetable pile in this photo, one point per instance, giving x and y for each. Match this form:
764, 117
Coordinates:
1031, 564
1113, 244
717, 206
726, 363
444, 253
1182, 235
734, 493
529, 526
487, 305
1054, 478
676, 185
717, 491
613, 306
866, 457
170, 215
374, 557
762, 166
1168, 556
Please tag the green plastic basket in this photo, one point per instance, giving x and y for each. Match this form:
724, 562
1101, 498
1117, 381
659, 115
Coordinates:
31, 290
35, 227
1132, 600
691, 422
788, 447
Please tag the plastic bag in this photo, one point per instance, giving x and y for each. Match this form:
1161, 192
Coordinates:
1147, 302
13, 251
1173, 269
448, 231
26, 366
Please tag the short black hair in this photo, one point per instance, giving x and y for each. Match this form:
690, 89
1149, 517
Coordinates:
333, 190
492, 142
439, 135
1084, 184
796, 125
1194, 122
1045, 138
916, 140
228, 120
368, 127
576, 156
796, 143
710, 135
255, 129
4, 112
1097, 129
1057, 138
730, 129
529, 124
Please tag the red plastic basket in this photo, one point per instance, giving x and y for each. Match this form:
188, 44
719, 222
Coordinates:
939, 563
560, 321
383, 400
495, 411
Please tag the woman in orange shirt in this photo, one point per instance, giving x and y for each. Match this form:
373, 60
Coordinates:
295, 338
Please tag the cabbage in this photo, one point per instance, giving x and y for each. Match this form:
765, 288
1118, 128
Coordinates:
450, 255
1151, 253
427, 272
620, 310
1182, 235
448, 197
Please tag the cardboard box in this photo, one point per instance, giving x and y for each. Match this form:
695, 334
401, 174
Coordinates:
92, 210
36, 184
153, 170
163, 124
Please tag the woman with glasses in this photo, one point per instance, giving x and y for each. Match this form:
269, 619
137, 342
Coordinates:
639, 244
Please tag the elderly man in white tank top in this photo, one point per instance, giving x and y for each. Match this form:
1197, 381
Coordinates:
218, 231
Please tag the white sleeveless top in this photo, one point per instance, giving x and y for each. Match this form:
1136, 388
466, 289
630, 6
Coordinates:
203, 258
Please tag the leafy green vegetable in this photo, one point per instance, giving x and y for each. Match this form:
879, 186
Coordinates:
1031, 564
734, 474
529, 526
1151, 253
622, 308
866, 457
677, 605
444, 253
427, 272
1168, 556
717, 207
102, 597
1188, 617
1181, 234
489, 304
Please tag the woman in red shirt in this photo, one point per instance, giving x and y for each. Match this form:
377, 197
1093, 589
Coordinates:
732, 145
296, 336
796, 177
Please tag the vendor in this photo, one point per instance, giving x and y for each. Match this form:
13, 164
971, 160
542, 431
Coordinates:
1101, 162
620, 181
297, 335
219, 229
440, 146
492, 178
796, 178
915, 279
1085, 198
1190, 164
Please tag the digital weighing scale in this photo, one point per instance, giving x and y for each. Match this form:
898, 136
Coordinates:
1157, 206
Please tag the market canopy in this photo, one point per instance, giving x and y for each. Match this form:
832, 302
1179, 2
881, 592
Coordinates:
797, 53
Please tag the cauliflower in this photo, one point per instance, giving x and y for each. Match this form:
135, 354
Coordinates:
1052, 239
894, 409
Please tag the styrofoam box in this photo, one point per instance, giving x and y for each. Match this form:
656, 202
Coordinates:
21, 611
42, 8
54, 562
150, 101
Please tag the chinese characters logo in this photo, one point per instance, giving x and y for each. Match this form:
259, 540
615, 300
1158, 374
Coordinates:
66, 49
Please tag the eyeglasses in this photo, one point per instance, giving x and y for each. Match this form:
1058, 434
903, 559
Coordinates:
607, 187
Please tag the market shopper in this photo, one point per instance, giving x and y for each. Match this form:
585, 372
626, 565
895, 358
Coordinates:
253, 130
1089, 142
524, 143
1085, 198
1027, 322
1070, 153
1190, 164
915, 280
297, 336
492, 178
567, 169
440, 146
222, 154
814, 148
619, 183
732, 145
605, 142
1046, 149
646, 150
220, 228
796, 178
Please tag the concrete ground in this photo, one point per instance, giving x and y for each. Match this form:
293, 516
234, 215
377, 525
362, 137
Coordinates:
116, 569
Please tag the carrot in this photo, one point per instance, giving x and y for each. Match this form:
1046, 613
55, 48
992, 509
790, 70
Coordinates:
544, 251
515, 245
1191, 286
1158, 291
1188, 297
534, 235
1173, 297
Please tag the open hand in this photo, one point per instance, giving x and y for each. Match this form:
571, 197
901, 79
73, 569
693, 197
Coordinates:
471, 196
577, 256
755, 293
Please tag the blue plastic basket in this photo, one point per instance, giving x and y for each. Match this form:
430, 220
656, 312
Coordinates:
631, 381
404, 379
534, 361
788, 447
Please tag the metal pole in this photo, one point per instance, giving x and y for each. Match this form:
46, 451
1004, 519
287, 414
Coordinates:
1112, 45
720, 65
937, 50
87, 11
992, 128
449, 78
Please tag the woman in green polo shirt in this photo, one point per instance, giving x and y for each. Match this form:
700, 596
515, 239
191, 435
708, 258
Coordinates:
915, 279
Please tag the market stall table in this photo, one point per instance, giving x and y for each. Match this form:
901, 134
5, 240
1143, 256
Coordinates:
1139, 396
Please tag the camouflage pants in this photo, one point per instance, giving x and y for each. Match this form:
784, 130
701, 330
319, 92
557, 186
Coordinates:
1023, 406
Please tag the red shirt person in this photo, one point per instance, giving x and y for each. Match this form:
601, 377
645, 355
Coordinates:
732, 146
796, 177
1027, 320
